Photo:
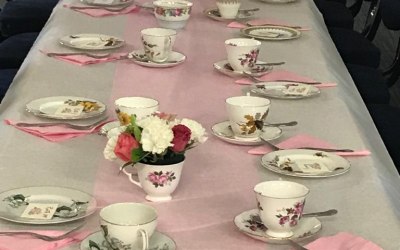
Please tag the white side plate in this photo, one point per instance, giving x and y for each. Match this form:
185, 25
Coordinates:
271, 32
92, 41
174, 58
276, 90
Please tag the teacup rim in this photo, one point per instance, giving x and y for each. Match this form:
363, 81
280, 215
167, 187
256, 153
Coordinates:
127, 224
174, 32
256, 97
292, 197
120, 105
229, 41
157, 2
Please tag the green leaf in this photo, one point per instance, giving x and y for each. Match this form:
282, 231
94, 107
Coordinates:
137, 154
137, 133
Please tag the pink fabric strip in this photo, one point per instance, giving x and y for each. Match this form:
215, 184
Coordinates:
103, 12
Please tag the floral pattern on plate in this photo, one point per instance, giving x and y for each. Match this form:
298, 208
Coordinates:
249, 223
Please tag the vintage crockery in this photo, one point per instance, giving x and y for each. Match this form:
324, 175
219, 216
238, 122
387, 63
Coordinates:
128, 225
228, 9
107, 3
157, 43
247, 115
158, 181
280, 204
223, 131
271, 32
158, 241
305, 163
174, 58
280, 90
225, 68
92, 41
138, 106
249, 223
172, 14
242, 53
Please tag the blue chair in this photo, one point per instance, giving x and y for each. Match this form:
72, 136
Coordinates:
14, 49
6, 78
20, 16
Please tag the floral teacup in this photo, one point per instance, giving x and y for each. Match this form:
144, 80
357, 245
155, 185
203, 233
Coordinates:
280, 204
242, 53
137, 105
172, 14
157, 43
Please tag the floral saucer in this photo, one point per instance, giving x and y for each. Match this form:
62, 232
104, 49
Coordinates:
174, 58
249, 223
225, 68
223, 131
213, 13
158, 241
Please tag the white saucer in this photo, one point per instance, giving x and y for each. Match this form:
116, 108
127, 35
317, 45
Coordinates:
250, 224
223, 132
277, 90
213, 13
138, 57
158, 241
224, 67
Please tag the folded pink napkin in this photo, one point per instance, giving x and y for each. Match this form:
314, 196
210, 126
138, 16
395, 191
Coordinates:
55, 133
304, 140
102, 12
342, 241
259, 22
282, 75
86, 60
24, 242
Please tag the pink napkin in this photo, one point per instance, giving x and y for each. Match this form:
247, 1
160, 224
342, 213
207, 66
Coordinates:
55, 133
102, 12
282, 75
24, 242
259, 22
86, 60
304, 140
343, 241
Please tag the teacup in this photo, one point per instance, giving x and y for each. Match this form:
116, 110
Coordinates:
172, 14
247, 115
157, 43
242, 53
280, 204
125, 225
228, 8
138, 106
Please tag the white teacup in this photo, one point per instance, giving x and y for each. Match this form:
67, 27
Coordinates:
280, 204
128, 225
247, 115
228, 8
157, 43
139, 106
172, 14
242, 53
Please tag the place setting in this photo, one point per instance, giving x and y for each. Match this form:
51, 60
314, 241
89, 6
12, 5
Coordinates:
247, 124
271, 32
62, 117
242, 59
228, 10
101, 8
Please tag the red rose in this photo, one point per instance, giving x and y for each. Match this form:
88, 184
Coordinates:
181, 137
125, 144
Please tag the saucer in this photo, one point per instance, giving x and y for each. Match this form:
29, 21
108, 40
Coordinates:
278, 90
222, 131
174, 58
225, 68
271, 32
249, 223
109, 127
213, 13
158, 241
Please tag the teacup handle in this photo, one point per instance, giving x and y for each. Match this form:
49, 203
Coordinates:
145, 239
137, 183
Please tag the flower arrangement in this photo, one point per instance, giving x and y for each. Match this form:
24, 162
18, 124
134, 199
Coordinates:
157, 139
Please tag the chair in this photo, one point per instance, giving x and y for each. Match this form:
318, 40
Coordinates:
335, 14
14, 49
6, 77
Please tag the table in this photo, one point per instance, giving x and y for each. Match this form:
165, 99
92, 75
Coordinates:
218, 177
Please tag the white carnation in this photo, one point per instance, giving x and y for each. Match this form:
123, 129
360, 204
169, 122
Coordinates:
109, 149
198, 132
156, 135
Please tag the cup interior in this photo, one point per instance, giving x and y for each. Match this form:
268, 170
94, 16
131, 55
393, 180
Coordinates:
136, 102
281, 189
242, 42
159, 32
128, 214
248, 101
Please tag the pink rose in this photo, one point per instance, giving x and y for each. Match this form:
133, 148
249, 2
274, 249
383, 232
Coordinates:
163, 179
125, 144
153, 178
181, 137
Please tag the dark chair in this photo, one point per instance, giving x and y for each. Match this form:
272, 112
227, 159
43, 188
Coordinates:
6, 78
14, 49
20, 16
335, 14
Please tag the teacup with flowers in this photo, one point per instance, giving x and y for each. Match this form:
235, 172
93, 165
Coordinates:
155, 146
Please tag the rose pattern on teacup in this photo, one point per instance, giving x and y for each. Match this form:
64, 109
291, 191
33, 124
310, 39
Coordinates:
250, 58
291, 215
159, 179
253, 123
172, 12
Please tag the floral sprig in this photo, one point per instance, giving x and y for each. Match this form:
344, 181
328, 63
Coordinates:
156, 138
